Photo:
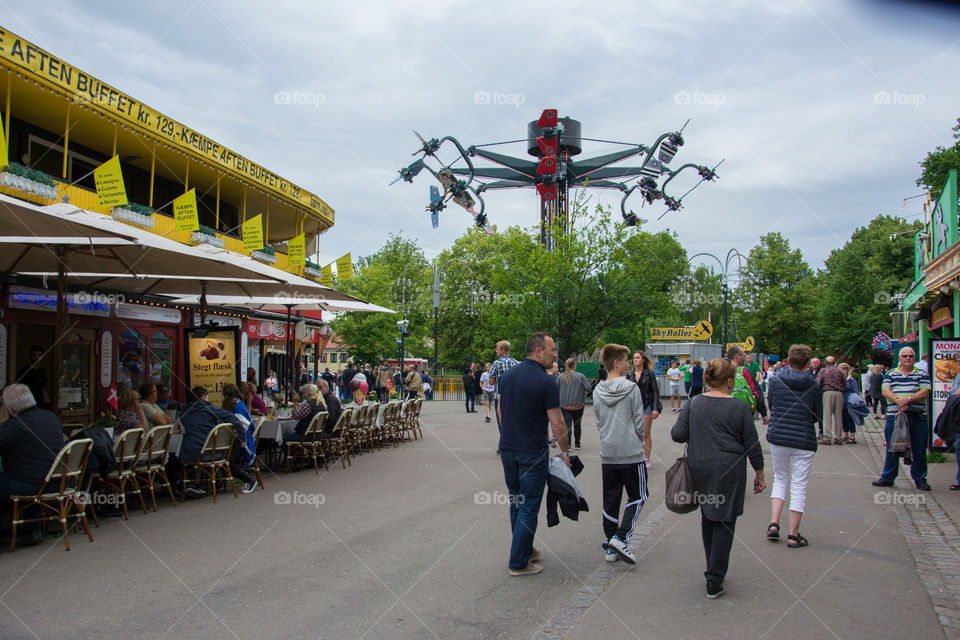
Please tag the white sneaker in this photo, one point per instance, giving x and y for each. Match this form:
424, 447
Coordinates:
610, 555
621, 550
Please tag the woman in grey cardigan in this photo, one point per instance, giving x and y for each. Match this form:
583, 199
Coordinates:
574, 387
721, 435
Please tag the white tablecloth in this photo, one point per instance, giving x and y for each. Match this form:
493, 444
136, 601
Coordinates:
275, 429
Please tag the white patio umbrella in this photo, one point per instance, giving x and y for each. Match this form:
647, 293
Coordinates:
289, 304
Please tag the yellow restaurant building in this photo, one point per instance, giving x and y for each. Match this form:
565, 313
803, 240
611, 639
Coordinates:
59, 124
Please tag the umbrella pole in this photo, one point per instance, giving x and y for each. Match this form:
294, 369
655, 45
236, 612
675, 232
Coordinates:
289, 375
203, 302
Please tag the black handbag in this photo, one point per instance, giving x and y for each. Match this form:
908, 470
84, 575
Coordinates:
679, 494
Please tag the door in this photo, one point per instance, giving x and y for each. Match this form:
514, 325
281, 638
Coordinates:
76, 375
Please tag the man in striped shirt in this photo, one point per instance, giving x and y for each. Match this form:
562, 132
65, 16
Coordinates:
503, 364
907, 389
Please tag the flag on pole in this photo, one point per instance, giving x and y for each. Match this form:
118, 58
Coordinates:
185, 212
112, 396
345, 267
326, 276
109, 180
253, 233
296, 251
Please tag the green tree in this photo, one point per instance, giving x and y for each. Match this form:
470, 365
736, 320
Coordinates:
860, 281
778, 296
603, 282
372, 336
935, 168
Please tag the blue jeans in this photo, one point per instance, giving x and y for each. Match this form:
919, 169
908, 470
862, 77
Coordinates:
526, 478
919, 433
956, 448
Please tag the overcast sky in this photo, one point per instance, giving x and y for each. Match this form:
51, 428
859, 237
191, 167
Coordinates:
822, 109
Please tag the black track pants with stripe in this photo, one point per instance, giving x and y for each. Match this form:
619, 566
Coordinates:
617, 477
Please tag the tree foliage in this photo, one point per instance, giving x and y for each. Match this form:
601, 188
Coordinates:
779, 294
372, 336
935, 168
860, 282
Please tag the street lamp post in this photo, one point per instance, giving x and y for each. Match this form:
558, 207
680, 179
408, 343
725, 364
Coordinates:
436, 309
725, 285
403, 324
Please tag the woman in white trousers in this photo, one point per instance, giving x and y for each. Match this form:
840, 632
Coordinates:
792, 434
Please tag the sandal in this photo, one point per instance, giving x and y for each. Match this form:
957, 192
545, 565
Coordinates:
797, 541
851, 441
773, 531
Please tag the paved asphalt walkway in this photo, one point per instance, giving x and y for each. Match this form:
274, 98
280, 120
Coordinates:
413, 542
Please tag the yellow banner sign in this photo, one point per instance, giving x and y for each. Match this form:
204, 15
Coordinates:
326, 276
702, 331
82, 88
3, 147
344, 267
253, 233
746, 345
109, 180
213, 363
185, 212
296, 251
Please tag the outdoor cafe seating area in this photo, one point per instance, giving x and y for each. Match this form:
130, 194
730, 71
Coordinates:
71, 496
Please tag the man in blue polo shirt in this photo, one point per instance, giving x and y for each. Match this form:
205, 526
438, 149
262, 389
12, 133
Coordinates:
528, 400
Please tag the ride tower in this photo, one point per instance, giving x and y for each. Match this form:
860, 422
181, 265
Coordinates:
555, 142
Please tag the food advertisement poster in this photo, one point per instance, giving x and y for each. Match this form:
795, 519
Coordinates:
946, 367
212, 360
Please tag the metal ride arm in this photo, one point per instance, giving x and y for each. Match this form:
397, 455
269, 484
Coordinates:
526, 168
706, 173
590, 166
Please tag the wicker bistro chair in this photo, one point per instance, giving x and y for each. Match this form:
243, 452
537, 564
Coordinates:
355, 432
309, 447
339, 440
214, 458
255, 467
150, 467
403, 421
370, 429
60, 492
391, 422
414, 417
124, 473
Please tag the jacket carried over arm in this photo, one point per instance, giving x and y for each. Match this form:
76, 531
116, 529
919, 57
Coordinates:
563, 490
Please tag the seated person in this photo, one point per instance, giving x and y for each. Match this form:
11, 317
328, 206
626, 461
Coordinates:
311, 405
163, 399
233, 403
254, 403
334, 409
148, 402
130, 414
29, 442
198, 419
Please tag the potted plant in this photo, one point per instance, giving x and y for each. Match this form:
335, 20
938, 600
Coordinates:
266, 254
313, 269
206, 235
134, 214
281, 407
29, 180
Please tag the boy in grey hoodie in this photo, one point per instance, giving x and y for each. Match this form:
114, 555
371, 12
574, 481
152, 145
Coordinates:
618, 407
